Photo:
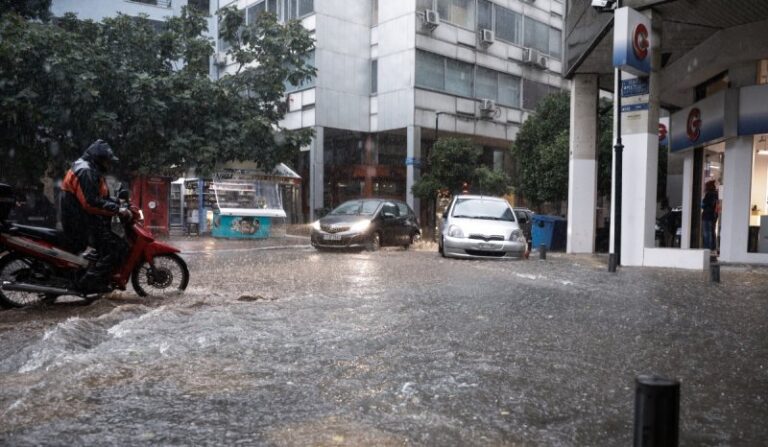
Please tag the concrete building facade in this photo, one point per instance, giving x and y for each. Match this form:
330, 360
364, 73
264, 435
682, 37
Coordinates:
709, 72
393, 74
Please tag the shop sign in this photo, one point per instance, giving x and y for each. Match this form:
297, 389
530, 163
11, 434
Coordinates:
706, 122
632, 42
753, 110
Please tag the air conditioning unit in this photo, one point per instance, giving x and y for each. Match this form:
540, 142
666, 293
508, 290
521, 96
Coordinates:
221, 59
488, 37
431, 18
535, 58
487, 107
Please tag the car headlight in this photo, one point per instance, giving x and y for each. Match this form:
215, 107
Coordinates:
517, 235
361, 226
455, 231
316, 225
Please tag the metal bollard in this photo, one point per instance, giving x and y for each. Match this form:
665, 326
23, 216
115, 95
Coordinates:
657, 411
714, 272
543, 251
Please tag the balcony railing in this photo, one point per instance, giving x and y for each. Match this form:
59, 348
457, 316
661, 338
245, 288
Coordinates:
160, 3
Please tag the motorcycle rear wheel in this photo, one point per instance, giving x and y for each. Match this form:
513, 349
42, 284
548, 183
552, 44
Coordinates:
168, 275
18, 268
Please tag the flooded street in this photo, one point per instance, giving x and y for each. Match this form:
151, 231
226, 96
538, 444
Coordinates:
291, 347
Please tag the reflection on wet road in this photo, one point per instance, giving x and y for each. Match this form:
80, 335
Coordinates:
294, 347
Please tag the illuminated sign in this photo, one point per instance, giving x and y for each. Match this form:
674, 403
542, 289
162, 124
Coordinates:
632, 42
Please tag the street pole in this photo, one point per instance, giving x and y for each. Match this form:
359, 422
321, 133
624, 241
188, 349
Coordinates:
614, 259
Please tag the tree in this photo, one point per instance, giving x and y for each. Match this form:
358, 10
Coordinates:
145, 90
541, 151
453, 162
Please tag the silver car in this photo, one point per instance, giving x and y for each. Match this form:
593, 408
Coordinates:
480, 227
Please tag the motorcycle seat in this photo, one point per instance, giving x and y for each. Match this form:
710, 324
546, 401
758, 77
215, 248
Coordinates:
50, 235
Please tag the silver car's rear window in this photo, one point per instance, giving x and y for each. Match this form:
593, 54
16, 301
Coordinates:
482, 209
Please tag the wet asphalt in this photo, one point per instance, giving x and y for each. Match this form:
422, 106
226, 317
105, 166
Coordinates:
276, 344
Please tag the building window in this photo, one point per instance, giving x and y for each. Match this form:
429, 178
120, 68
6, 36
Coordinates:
555, 42
308, 83
374, 12
536, 35
374, 76
458, 77
534, 92
296, 9
462, 79
509, 25
201, 6
430, 71
458, 12
484, 14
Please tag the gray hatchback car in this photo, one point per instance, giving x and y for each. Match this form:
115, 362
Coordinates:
480, 227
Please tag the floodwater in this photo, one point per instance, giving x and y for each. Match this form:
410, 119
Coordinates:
286, 347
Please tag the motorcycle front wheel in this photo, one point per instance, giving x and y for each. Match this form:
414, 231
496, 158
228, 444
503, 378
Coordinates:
168, 275
19, 269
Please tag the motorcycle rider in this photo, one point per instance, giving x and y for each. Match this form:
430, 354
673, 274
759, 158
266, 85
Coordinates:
87, 211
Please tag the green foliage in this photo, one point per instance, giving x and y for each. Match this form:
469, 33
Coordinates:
145, 91
454, 161
541, 151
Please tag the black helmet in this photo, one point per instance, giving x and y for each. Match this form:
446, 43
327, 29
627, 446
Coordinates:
101, 153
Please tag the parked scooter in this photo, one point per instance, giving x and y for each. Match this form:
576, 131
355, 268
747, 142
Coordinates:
35, 267
668, 228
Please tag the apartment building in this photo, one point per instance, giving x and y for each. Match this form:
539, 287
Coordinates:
395, 74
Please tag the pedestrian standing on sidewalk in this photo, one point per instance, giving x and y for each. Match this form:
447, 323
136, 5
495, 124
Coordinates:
709, 215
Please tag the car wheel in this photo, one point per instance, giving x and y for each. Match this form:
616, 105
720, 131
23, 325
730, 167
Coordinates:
408, 244
374, 243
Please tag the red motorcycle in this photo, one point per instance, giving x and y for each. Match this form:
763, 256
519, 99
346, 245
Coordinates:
36, 269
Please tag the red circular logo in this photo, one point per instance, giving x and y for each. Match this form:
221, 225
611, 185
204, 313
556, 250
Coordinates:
640, 42
693, 126
662, 132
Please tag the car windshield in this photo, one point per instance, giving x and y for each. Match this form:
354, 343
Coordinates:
483, 209
356, 207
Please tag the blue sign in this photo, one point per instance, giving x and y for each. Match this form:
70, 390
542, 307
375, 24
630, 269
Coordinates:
412, 161
241, 227
634, 87
632, 42
634, 107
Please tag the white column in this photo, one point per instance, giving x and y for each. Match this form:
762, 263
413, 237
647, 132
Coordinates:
582, 166
686, 218
734, 227
316, 172
413, 172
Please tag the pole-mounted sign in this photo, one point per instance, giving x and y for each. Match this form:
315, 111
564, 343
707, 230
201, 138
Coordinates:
632, 42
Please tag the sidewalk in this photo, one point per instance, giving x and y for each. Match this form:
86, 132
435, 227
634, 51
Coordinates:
296, 235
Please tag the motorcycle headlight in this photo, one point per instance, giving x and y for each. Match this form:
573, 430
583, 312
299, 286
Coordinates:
316, 225
455, 231
361, 226
517, 235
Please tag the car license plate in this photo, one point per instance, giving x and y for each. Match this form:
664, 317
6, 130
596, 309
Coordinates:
487, 246
332, 237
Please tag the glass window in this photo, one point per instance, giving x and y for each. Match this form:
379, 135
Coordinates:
374, 76
509, 90
374, 12
253, 12
306, 7
483, 209
404, 210
458, 77
458, 12
430, 70
390, 207
534, 92
555, 42
484, 14
310, 60
486, 83
508, 25
421, 5
536, 35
